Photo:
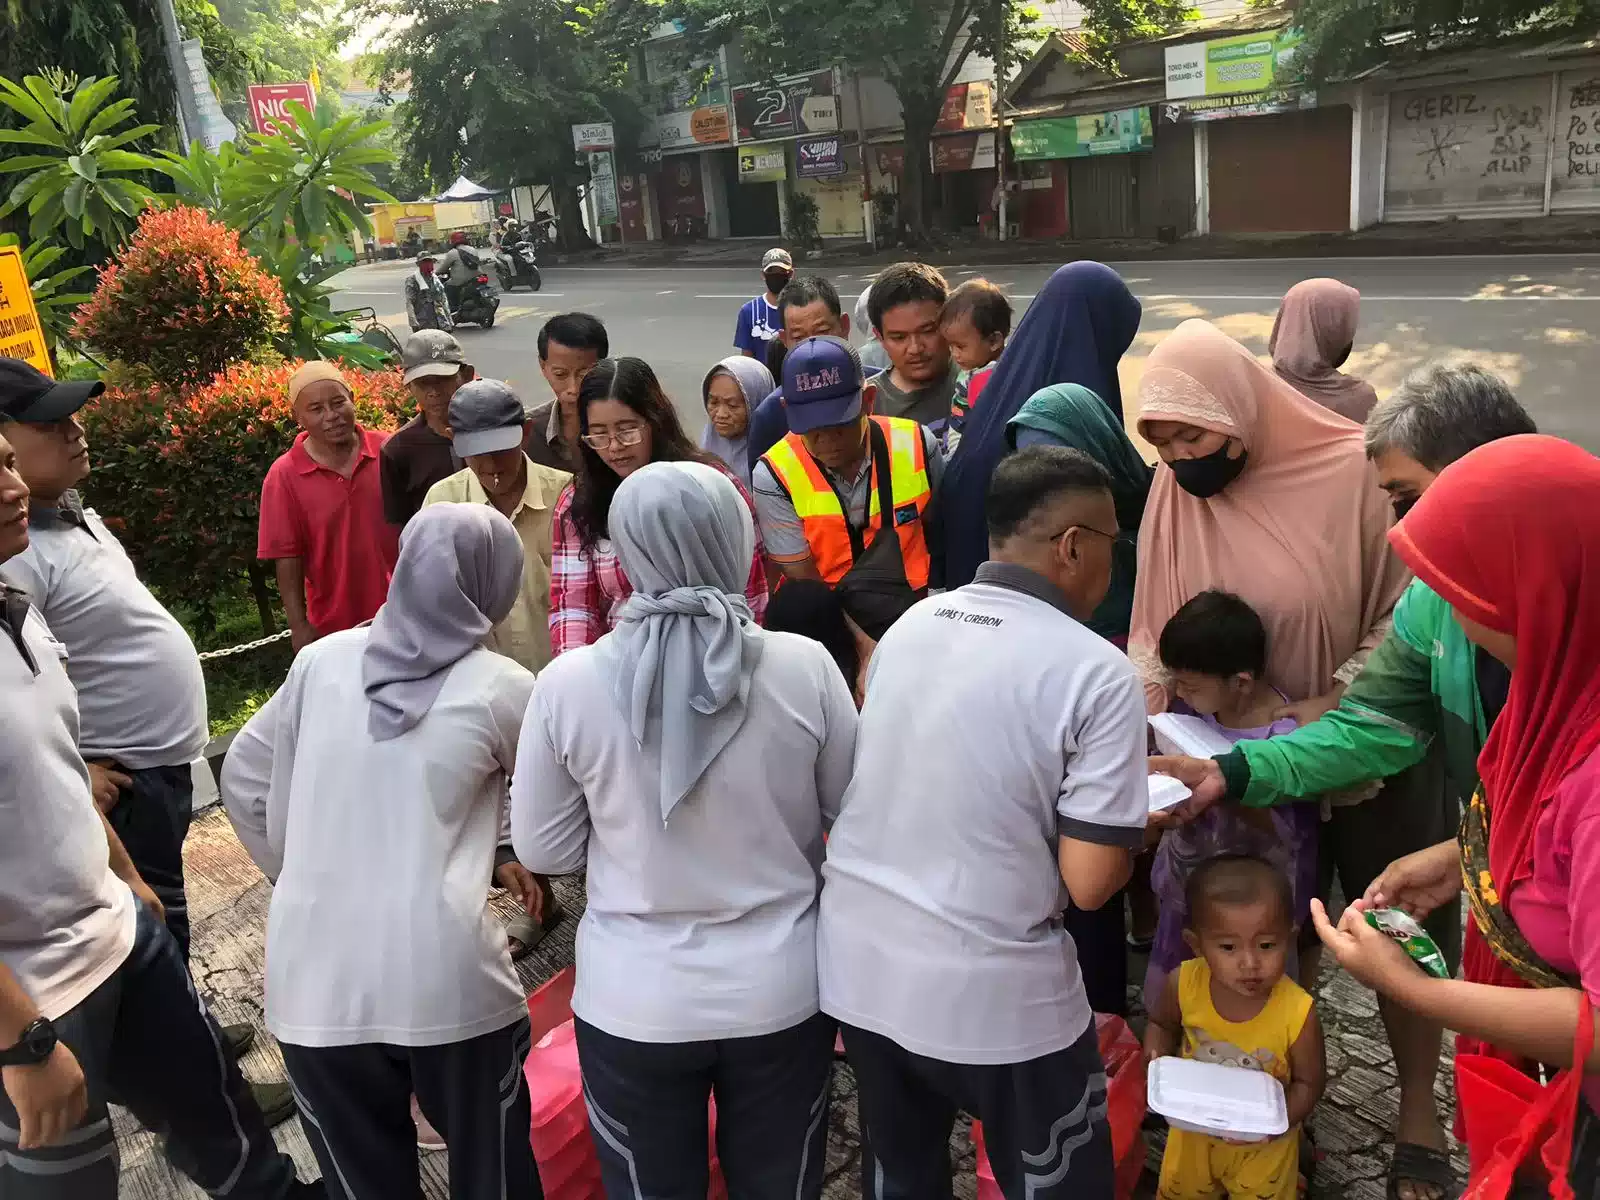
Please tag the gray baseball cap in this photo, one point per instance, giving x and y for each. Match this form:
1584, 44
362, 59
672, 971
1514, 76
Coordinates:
431, 352
485, 418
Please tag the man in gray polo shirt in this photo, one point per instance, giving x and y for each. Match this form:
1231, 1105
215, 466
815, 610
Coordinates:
141, 694
940, 944
94, 996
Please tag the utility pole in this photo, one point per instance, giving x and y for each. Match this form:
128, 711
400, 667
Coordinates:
1002, 216
188, 118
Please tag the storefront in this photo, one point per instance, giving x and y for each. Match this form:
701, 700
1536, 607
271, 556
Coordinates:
829, 172
965, 175
1513, 147
1082, 174
680, 198
768, 119
682, 141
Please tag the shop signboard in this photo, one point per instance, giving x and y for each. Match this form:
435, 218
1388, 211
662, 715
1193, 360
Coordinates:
890, 160
595, 135
769, 111
267, 101
966, 106
763, 165
964, 152
818, 158
1118, 132
1246, 62
1249, 104
603, 179
708, 125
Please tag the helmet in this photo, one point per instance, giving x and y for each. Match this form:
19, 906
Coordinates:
458, 238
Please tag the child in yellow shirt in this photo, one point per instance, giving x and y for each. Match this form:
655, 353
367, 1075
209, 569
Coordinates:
1235, 1005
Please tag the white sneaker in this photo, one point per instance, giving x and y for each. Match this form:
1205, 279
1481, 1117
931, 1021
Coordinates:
428, 1137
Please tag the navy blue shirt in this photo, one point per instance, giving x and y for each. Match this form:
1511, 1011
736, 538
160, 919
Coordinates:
769, 425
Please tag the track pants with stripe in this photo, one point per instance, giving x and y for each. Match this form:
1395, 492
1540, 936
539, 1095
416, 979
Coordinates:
355, 1106
1044, 1121
144, 1039
648, 1112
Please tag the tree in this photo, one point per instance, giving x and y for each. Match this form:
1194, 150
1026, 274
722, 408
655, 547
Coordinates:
116, 37
494, 89
919, 46
1107, 24
79, 176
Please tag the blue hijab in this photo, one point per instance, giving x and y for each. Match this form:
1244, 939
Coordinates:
1075, 331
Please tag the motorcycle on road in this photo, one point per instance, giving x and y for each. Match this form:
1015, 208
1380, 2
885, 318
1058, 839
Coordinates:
475, 303
517, 264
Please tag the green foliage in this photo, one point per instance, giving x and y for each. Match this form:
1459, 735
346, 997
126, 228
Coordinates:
50, 288
78, 176
301, 180
804, 219
183, 300
495, 88
115, 37
1107, 24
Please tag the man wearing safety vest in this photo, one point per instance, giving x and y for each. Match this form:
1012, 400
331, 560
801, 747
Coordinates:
845, 497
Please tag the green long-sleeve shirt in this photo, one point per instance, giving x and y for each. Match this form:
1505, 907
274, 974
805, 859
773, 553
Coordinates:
1419, 684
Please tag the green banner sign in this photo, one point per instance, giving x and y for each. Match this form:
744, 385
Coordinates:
1118, 132
1246, 62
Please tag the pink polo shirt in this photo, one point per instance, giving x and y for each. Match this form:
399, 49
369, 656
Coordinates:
336, 526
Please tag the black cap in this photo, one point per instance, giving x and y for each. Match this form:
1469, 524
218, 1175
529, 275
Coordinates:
28, 394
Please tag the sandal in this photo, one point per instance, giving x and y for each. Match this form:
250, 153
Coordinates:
1421, 1165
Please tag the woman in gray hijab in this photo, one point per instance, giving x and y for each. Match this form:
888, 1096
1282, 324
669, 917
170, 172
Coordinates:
691, 762
731, 391
387, 753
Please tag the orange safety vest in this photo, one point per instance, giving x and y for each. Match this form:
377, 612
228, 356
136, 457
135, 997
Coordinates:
822, 516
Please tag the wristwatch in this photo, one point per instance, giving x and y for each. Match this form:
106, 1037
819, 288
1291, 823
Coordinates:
35, 1045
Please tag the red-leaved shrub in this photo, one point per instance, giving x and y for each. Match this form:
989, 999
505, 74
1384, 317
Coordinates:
183, 300
180, 472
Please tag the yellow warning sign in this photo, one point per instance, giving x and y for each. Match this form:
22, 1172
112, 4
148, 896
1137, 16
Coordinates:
20, 335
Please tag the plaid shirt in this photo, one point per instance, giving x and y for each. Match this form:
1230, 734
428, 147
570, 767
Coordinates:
588, 587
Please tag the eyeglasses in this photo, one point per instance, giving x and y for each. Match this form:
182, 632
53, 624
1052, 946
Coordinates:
1086, 528
625, 436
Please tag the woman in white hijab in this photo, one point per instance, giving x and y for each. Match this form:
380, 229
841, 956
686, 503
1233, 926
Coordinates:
692, 761
390, 746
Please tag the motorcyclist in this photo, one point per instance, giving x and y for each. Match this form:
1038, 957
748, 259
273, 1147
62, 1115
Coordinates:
460, 266
426, 304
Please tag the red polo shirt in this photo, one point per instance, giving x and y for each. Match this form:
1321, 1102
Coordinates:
336, 526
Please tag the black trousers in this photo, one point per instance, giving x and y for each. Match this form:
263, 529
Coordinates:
1100, 939
647, 1110
355, 1104
145, 1040
152, 819
1044, 1121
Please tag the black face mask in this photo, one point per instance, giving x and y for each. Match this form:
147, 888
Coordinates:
1205, 477
1403, 504
777, 281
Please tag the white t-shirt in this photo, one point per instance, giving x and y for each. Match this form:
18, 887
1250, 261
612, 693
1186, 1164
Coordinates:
141, 694
383, 852
703, 927
994, 725
66, 922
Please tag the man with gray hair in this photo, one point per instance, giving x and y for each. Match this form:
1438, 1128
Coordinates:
1425, 683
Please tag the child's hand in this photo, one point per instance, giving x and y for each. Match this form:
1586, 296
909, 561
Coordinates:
1306, 711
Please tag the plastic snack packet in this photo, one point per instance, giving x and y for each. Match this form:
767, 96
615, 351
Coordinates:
1413, 939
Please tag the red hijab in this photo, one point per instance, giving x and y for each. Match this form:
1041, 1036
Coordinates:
1510, 537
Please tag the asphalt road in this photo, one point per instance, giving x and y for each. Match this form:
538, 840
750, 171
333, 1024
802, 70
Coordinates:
1533, 319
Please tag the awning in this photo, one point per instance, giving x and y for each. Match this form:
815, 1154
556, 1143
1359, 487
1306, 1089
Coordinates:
464, 189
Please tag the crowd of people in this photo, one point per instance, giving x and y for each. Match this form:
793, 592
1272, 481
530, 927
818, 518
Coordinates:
842, 712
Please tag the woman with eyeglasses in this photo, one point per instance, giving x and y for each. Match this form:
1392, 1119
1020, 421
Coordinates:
624, 422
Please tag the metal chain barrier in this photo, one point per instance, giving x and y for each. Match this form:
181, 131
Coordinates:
247, 646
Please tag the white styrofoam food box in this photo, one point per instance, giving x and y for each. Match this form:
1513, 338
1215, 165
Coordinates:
1165, 791
1230, 1102
1179, 733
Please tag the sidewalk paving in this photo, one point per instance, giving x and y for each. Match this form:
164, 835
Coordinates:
1568, 234
228, 901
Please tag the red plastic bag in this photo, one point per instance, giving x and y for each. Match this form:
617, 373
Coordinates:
1512, 1122
1125, 1104
563, 1146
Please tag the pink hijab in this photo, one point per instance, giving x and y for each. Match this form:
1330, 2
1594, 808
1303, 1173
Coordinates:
1316, 323
1301, 534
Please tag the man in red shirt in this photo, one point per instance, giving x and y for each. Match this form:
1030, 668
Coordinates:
322, 512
